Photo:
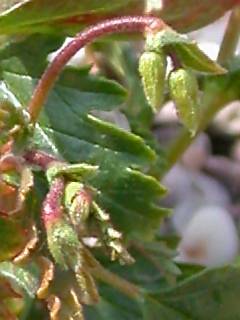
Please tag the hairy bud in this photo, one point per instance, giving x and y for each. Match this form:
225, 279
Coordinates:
152, 68
78, 202
64, 245
184, 91
63, 241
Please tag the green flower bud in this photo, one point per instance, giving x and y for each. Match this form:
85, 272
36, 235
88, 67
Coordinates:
152, 68
185, 93
78, 202
64, 245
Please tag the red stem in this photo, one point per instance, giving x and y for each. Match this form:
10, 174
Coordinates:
115, 25
39, 158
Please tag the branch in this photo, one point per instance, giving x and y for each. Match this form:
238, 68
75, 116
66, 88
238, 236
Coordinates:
116, 25
99, 272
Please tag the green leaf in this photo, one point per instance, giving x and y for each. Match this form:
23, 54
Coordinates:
148, 273
85, 133
69, 128
130, 197
35, 15
113, 305
23, 277
153, 310
29, 16
212, 292
191, 56
16, 58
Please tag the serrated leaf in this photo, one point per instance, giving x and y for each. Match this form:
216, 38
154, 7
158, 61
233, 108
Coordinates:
130, 197
85, 133
23, 277
89, 139
146, 274
211, 293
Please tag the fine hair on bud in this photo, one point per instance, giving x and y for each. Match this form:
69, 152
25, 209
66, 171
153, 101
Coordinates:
152, 68
184, 92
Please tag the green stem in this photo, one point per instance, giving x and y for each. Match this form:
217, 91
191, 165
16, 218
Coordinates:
99, 272
127, 288
231, 37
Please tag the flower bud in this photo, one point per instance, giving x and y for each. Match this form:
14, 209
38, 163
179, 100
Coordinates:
78, 202
152, 68
64, 245
184, 92
63, 242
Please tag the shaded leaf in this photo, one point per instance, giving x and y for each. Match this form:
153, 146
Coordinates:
10, 245
58, 16
113, 305
6, 290
36, 14
146, 274
208, 292
23, 277
153, 310
211, 292
16, 58
187, 15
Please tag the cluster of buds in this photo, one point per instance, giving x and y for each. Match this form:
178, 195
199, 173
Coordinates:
182, 82
68, 213
74, 223
69, 206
